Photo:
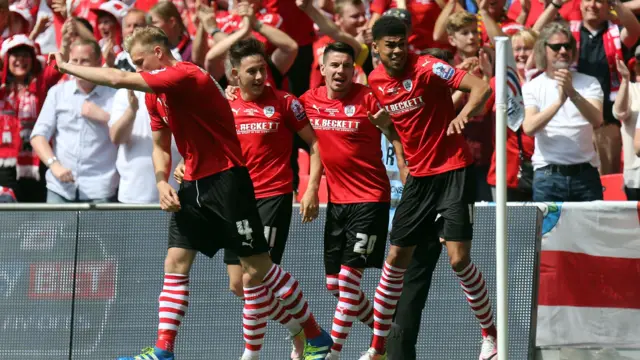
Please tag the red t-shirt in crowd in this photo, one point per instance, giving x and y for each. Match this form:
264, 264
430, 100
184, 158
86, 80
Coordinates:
424, 14
569, 11
231, 22
421, 108
349, 145
296, 23
188, 101
265, 128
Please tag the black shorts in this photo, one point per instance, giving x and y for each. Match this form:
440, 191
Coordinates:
448, 197
355, 235
218, 212
275, 212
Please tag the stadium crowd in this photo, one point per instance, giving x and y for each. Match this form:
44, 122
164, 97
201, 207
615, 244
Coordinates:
67, 140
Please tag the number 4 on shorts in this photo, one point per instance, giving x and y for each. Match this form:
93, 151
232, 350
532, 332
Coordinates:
365, 244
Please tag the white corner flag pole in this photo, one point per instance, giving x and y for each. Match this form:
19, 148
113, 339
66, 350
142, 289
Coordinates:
501, 194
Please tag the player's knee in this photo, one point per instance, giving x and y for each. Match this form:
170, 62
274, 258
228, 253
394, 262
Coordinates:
176, 265
251, 276
400, 256
459, 261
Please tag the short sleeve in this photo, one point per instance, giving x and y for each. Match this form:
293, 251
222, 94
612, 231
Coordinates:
169, 80
294, 115
593, 90
119, 106
528, 96
46, 123
440, 73
157, 123
638, 122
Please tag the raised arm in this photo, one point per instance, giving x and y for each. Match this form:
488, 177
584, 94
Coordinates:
327, 27
440, 27
219, 50
630, 25
621, 108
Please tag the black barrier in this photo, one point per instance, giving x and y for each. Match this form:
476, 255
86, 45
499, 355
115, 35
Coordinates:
119, 276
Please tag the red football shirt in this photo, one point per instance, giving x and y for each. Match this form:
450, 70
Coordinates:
508, 26
189, 102
296, 23
424, 14
421, 108
349, 145
265, 128
232, 22
569, 11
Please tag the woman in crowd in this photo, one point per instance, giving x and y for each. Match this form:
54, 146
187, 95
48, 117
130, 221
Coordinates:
23, 89
166, 16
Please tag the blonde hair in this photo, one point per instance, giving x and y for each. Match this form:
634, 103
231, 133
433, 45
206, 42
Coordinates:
339, 5
528, 37
460, 20
167, 10
149, 36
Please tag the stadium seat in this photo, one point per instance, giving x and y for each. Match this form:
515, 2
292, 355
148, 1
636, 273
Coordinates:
613, 187
303, 163
323, 193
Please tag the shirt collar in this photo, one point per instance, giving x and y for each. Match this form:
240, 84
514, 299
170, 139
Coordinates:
97, 90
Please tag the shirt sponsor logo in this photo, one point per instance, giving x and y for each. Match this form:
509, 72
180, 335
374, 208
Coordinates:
335, 125
257, 128
235, 111
269, 111
251, 112
405, 106
407, 84
349, 110
298, 110
443, 70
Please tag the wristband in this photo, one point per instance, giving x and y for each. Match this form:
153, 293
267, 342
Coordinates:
215, 31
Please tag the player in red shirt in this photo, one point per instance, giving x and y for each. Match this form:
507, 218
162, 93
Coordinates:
359, 192
217, 192
416, 93
266, 120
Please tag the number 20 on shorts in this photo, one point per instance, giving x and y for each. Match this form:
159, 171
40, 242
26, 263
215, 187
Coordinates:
365, 244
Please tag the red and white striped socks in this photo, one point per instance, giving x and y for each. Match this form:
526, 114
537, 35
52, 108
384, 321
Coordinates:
279, 314
475, 289
254, 319
365, 309
287, 289
385, 302
174, 300
350, 304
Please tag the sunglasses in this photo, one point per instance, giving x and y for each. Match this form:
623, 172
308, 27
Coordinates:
557, 47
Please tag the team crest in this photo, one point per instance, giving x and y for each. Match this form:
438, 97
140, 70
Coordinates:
269, 111
407, 84
349, 110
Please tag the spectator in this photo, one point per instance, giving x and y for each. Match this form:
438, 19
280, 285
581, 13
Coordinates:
486, 8
350, 28
166, 16
108, 31
6, 195
599, 42
626, 109
527, 12
5, 19
280, 60
132, 20
130, 129
24, 88
561, 109
522, 44
21, 20
462, 28
75, 116
423, 18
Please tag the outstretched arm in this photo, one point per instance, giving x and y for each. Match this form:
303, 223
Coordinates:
104, 76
